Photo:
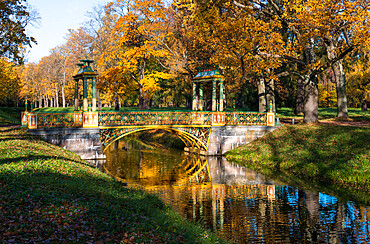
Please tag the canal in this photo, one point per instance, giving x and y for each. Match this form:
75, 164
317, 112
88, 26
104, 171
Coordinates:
236, 203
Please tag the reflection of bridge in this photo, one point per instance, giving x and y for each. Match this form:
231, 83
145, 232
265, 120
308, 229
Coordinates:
209, 133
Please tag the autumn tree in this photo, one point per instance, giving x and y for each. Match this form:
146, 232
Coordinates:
137, 54
9, 83
15, 16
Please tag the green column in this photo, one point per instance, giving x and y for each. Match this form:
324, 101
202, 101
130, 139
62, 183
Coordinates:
194, 96
201, 96
221, 95
85, 104
76, 94
214, 95
94, 94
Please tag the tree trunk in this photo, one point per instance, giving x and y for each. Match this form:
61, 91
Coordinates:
46, 101
340, 82
311, 100
116, 105
364, 105
311, 90
261, 95
99, 100
299, 105
141, 100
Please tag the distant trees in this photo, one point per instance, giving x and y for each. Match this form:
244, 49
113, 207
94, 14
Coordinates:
146, 52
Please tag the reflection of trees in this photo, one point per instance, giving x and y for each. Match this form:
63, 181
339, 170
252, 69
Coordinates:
248, 207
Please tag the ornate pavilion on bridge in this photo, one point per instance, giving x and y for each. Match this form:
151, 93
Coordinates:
85, 73
208, 74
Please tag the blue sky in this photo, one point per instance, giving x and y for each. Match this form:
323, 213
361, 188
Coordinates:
57, 16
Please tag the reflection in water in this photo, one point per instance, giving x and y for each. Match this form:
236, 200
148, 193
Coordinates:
237, 203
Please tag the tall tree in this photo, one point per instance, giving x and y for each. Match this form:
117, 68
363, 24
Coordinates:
15, 15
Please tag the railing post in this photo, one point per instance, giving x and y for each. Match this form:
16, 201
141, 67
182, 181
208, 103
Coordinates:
32, 121
271, 116
90, 119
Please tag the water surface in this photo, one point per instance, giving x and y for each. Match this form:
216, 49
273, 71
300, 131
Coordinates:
237, 203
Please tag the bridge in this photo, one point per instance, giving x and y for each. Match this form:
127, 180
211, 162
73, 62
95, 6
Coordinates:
89, 132
204, 132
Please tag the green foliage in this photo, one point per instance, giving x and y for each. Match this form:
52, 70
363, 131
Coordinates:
14, 17
335, 155
49, 194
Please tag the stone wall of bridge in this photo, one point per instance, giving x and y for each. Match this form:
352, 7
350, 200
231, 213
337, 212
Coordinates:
226, 138
85, 142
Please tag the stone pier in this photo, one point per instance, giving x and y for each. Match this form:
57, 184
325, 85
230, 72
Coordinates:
226, 138
85, 142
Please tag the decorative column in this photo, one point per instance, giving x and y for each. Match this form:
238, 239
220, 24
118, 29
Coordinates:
76, 95
85, 104
194, 96
214, 95
270, 116
221, 96
201, 96
94, 94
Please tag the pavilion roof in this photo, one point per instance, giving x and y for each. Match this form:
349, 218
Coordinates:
85, 69
208, 74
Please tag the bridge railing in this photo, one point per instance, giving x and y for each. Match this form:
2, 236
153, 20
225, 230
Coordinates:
245, 118
41, 120
181, 118
59, 120
153, 118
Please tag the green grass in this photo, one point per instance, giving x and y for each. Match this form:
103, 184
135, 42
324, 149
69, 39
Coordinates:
71, 109
335, 156
49, 194
327, 113
10, 116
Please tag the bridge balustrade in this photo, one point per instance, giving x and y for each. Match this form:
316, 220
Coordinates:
151, 118
59, 120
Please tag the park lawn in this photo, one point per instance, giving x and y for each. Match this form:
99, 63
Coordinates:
337, 157
355, 114
48, 194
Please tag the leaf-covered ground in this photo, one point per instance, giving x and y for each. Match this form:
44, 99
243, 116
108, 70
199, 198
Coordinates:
48, 194
337, 156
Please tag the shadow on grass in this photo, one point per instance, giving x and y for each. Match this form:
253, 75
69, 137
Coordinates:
33, 158
53, 207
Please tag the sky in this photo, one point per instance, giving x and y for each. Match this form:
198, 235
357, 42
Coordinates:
57, 16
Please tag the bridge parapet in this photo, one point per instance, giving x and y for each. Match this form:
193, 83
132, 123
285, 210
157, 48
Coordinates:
181, 118
139, 118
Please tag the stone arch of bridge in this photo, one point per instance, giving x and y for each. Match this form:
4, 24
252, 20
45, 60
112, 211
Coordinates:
187, 138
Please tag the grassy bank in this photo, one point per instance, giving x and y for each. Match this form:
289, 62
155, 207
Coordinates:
334, 156
10, 116
51, 195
